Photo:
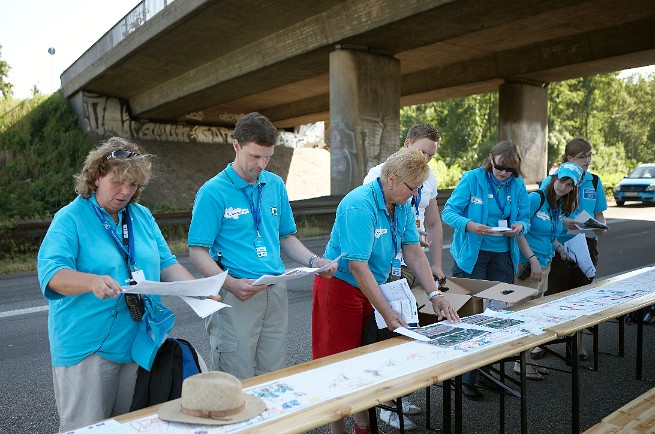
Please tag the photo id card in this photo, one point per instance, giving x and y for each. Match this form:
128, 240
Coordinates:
260, 248
395, 266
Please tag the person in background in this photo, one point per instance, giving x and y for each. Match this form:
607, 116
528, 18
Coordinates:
100, 241
559, 199
374, 224
591, 198
488, 198
241, 221
425, 138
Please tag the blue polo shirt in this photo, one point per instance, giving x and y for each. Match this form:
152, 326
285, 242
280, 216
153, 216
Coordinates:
83, 324
223, 221
544, 227
363, 230
590, 199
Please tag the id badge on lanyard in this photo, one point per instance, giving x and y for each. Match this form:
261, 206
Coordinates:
260, 248
395, 265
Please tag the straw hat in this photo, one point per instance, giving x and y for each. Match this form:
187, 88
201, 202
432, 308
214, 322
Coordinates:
212, 398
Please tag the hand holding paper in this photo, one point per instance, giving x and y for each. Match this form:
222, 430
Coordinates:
294, 273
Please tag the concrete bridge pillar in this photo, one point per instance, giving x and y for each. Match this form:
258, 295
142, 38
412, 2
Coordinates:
364, 114
523, 118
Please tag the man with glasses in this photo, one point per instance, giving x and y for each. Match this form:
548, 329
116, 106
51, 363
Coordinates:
425, 138
241, 220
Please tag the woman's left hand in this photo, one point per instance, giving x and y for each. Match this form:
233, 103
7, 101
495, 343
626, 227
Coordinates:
516, 229
444, 309
322, 262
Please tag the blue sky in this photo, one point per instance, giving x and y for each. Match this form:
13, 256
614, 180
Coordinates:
30, 27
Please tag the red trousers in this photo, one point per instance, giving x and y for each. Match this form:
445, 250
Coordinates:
340, 312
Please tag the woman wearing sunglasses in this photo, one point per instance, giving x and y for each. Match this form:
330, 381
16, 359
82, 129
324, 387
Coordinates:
488, 209
97, 243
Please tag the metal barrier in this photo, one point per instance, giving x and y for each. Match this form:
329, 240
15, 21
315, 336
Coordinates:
319, 206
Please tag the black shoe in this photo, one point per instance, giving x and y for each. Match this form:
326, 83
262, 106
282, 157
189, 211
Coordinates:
488, 384
472, 392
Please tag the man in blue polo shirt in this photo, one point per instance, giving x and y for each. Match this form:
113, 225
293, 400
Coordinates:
241, 220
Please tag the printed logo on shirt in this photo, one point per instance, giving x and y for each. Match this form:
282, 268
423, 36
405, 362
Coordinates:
234, 213
589, 193
273, 210
477, 200
543, 215
380, 232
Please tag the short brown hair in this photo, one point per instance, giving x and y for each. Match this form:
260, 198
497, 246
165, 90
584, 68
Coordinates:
255, 128
510, 154
421, 131
136, 168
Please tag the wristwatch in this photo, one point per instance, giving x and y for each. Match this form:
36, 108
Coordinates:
434, 294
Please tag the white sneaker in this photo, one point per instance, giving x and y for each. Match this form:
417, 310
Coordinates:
392, 419
409, 408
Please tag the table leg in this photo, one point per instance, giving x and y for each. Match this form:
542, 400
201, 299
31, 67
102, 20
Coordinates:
458, 404
447, 410
575, 385
622, 336
373, 419
640, 342
524, 394
501, 414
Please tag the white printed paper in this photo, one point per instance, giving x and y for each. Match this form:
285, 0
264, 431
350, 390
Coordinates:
204, 307
294, 273
401, 299
195, 288
584, 222
577, 250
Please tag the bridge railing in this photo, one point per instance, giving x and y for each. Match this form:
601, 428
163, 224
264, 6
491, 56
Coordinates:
130, 22
324, 207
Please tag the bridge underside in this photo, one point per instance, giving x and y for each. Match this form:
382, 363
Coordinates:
211, 61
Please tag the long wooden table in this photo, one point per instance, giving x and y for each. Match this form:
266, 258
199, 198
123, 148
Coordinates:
570, 329
340, 407
637, 416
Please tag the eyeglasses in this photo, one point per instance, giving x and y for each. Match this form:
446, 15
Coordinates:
121, 154
584, 157
413, 190
503, 168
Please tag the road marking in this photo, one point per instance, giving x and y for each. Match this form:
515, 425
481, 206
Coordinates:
23, 311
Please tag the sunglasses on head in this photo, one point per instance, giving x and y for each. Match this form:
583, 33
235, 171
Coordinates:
503, 168
121, 154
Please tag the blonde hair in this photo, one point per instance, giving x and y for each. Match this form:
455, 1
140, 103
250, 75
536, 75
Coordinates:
408, 164
136, 168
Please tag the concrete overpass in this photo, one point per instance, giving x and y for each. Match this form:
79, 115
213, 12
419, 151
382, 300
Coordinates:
355, 63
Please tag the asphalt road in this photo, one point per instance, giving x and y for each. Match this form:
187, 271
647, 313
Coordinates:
27, 399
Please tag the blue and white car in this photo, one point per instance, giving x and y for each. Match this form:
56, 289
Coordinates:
638, 186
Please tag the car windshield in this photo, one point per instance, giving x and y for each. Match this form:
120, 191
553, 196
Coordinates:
642, 172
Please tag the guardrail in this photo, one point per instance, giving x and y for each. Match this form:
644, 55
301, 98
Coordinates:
319, 206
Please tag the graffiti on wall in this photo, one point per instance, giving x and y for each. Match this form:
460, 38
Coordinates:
110, 116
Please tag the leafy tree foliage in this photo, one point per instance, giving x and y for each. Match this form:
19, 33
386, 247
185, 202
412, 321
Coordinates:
616, 115
5, 86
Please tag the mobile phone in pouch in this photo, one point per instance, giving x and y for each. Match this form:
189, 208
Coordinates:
526, 272
135, 304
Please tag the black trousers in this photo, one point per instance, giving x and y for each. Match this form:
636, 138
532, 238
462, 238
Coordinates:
565, 275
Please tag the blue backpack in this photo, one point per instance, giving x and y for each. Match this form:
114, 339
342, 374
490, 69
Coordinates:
176, 360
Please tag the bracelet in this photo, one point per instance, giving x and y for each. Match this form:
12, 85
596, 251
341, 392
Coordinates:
311, 261
533, 255
434, 294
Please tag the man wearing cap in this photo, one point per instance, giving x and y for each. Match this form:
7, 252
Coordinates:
241, 221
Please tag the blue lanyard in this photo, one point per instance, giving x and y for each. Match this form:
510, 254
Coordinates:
254, 211
417, 198
554, 216
128, 234
495, 195
394, 226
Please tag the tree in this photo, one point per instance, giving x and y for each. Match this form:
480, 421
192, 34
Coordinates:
5, 86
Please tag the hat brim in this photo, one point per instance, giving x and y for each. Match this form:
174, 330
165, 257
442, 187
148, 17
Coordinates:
172, 411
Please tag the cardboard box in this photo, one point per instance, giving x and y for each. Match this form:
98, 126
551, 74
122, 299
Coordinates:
467, 295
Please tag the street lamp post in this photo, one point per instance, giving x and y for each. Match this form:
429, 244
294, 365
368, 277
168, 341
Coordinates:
51, 51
